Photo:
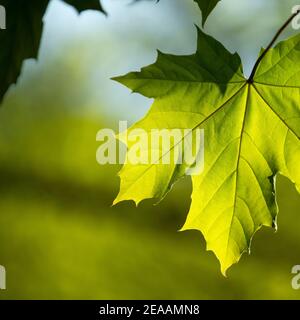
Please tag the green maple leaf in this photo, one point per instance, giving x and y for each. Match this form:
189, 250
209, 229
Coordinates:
21, 39
206, 6
252, 130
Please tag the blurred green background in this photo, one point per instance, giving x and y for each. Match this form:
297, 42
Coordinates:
59, 236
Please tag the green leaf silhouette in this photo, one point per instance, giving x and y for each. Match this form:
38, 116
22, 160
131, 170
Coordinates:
206, 6
82, 5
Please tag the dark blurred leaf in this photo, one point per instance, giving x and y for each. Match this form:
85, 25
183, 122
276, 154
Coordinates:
206, 6
21, 39
82, 5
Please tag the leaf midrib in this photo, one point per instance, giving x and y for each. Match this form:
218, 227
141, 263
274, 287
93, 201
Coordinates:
237, 167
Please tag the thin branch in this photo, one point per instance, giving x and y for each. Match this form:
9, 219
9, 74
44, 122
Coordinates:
250, 80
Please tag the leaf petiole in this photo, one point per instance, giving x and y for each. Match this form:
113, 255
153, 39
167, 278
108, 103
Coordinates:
277, 35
